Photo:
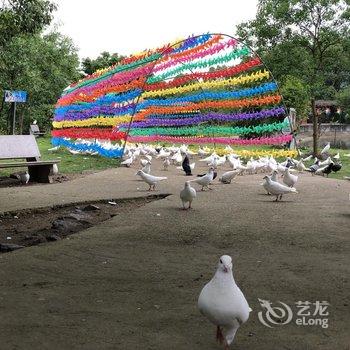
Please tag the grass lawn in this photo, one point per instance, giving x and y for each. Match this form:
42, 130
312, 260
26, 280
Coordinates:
345, 170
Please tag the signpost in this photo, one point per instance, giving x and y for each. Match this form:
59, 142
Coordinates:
14, 97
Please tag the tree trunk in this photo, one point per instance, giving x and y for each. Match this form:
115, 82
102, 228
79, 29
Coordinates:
315, 127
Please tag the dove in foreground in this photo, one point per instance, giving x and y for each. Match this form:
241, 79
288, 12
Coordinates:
150, 179
187, 195
277, 189
223, 303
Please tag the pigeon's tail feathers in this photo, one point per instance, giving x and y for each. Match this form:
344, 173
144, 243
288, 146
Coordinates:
293, 190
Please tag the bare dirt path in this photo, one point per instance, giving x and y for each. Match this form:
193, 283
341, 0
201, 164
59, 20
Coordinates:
132, 282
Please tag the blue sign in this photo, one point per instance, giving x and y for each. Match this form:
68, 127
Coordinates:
15, 96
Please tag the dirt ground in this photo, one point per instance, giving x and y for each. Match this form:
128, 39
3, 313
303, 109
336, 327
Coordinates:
132, 282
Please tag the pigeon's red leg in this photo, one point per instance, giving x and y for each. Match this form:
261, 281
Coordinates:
150, 188
219, 337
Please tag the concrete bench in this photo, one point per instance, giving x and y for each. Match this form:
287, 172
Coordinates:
25, 148
34, 130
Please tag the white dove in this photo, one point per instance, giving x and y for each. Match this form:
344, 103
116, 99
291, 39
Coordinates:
326, 148
205, 180
223, 303
54, 149
150, 179
300, 166
273, 177
187, 195
54, 169
227, 177
127, 162
202, 152
289, 179
147, 168
307, 158
277, 189
166, 163
144, 162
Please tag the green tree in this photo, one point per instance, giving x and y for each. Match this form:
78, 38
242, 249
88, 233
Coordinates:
18, 17
41, 65
104, 60
343, 98
295, 94
308, 39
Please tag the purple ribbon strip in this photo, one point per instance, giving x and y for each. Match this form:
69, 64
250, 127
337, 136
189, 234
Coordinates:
221, 117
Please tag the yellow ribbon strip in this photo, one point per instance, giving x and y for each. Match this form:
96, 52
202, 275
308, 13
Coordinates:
242, 79
98, 121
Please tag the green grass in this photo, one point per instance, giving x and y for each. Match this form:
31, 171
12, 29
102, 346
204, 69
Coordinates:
345, 161
69, 163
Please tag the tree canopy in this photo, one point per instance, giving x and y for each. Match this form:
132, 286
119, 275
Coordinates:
306, 39
104, 60
41, 64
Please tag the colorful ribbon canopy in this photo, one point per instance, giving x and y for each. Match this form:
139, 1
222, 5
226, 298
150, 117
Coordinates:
205, 89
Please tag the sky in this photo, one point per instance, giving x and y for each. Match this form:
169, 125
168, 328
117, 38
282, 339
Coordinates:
130, 26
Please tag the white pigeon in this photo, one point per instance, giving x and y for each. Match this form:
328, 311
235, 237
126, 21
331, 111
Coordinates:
54, 149
326, 162
150, 179
147, 168
300, 166
24, 178
223, 303
163, 154
72, 151
166, 163
307, 158
273, 177
202, 152
227, 177
177, 158
54, 169
187, 195
127, 162
205, 180
326, 148
277, 189
289, 179
144, 162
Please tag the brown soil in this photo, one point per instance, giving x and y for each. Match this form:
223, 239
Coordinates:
30, 227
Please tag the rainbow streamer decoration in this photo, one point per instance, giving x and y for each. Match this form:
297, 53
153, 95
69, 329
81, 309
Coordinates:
206, 89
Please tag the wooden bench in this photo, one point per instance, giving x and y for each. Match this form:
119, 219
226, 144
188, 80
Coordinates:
34, 130
25, 147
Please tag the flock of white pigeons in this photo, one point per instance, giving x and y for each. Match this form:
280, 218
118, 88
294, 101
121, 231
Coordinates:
174, 156
221, 300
